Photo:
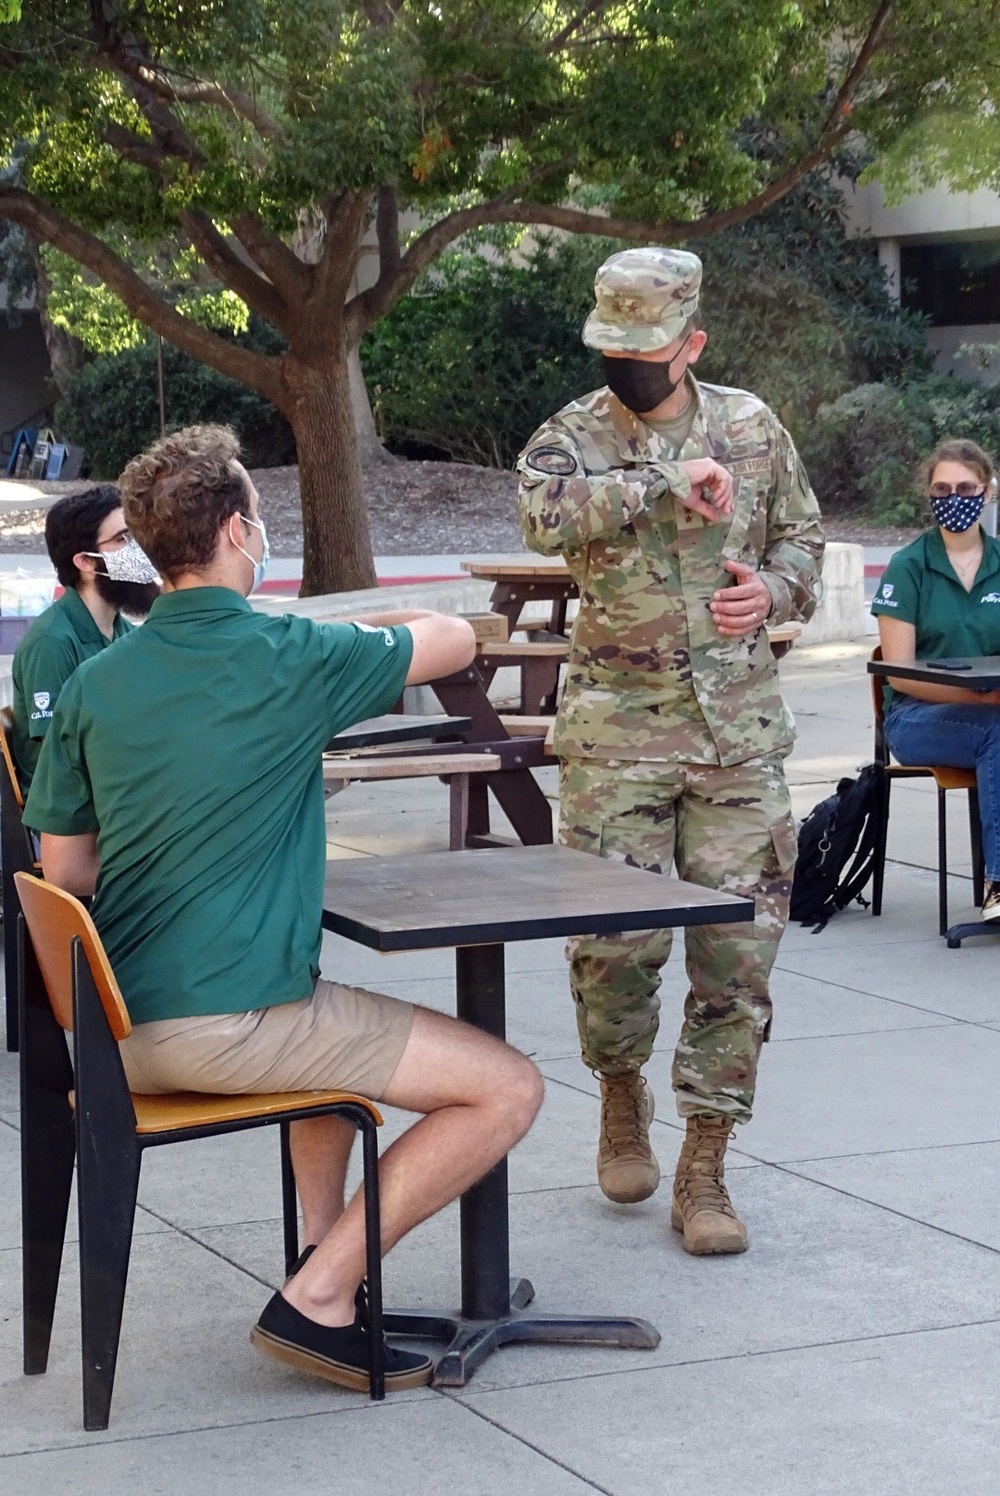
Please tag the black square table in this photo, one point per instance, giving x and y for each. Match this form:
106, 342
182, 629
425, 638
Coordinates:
476, 901
982, 674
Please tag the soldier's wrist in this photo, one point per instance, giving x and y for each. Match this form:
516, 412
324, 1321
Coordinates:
780, 607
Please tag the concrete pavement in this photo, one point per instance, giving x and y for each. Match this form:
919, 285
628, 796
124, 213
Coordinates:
852, 1350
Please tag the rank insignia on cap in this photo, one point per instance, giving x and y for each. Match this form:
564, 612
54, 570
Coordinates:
554, 462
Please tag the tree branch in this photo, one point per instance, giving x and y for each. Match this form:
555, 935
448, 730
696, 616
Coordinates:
366, 309
387, 231
856, 72
157, 80
135, 148
233, 272
339, 259
257, 370
270, 252
562, 37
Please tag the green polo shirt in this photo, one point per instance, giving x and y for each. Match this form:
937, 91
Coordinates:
194, 753
57, 642
919, 586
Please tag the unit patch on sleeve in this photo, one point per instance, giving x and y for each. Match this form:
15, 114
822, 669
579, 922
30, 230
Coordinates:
554, 462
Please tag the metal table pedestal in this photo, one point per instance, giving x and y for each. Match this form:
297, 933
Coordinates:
495, 1307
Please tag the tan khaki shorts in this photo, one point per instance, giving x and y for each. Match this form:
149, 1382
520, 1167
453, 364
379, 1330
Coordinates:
340, 1039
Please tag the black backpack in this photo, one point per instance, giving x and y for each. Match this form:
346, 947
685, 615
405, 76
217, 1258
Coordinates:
836, 850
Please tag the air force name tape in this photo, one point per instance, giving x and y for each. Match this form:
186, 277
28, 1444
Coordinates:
554, 462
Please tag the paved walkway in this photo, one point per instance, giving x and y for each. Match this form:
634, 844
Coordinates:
852, 1351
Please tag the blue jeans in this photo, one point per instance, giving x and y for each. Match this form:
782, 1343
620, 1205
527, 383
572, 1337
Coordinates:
959, 737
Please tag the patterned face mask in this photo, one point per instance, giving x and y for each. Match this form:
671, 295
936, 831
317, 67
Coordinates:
955, 513
129, 563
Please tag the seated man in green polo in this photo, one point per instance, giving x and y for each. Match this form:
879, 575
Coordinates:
105, 575
181, 784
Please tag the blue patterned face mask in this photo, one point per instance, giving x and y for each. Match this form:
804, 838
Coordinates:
955, 513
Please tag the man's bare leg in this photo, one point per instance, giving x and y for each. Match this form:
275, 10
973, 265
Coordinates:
479, 1097
321, 1151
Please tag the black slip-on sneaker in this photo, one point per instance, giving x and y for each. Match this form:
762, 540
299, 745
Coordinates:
337, 1355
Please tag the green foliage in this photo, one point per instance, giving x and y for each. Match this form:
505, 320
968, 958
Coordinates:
91, 312
112, 406
798, 312
863, 451
644, 101
486, 348
471, 364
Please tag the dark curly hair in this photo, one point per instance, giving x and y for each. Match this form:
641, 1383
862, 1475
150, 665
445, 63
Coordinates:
179, 492
73, 524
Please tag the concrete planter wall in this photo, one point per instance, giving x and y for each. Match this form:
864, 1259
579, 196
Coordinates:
840, 615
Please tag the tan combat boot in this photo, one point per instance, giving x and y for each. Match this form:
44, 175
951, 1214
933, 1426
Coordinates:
626, 1169
701, 1206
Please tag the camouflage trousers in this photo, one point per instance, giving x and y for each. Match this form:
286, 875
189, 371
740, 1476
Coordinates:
728, 829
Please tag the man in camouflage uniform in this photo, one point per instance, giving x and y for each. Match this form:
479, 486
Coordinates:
684, 514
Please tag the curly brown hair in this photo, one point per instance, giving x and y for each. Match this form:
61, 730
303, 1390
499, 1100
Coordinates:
179, 492
958, 449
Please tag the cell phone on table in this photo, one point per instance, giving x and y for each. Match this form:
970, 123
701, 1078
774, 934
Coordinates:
949, 664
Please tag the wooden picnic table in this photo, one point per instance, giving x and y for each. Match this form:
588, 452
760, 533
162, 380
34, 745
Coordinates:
519, 794
477, 902
519, 580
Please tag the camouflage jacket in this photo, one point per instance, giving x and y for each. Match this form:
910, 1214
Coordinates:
650, 676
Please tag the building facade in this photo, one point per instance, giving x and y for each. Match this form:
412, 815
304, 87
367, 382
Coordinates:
942, 253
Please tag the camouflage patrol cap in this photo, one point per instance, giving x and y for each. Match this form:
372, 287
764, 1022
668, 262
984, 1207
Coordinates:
644, 298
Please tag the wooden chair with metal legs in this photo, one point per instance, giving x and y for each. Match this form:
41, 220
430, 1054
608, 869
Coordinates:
945, 779
18, 856
83, 1110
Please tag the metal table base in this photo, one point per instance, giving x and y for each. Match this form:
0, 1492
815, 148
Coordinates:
494, 1306
469, 1341
967, 930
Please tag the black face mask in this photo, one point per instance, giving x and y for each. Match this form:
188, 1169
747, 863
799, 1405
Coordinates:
639, 383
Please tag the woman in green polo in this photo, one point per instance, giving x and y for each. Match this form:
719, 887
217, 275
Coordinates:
940, 597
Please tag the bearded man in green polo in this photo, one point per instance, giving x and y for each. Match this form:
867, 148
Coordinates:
685, 515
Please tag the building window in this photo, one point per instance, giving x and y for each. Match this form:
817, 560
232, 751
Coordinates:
954, 283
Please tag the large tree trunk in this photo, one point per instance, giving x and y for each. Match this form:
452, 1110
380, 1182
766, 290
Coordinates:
372, 451
337, 551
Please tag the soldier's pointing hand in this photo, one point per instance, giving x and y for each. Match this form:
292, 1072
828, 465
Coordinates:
711, 493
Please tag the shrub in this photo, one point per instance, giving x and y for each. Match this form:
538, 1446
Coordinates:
112, 406
863, 451
472, 362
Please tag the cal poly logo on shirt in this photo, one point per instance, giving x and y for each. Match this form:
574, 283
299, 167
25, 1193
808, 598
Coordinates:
41, 700
887, 590
990, 597
387, 635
